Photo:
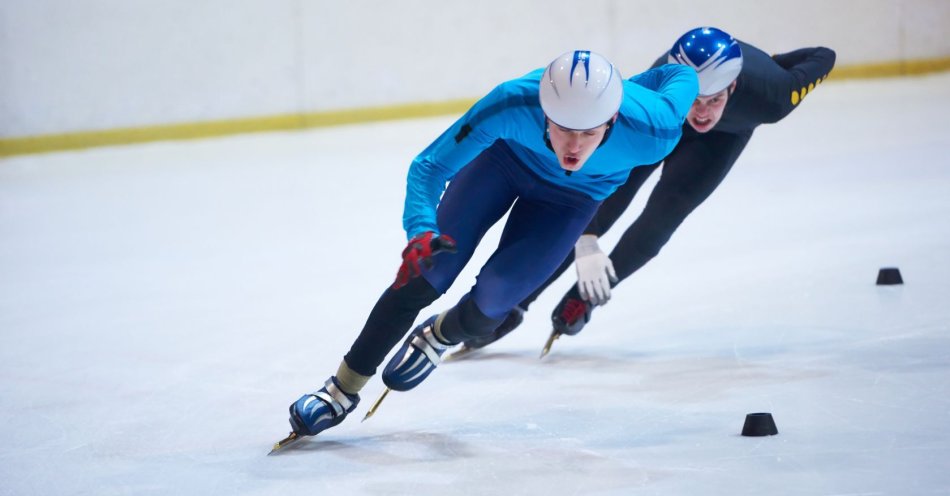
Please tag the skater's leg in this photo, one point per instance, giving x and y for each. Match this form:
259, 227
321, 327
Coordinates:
541, 230
474, 201
477, 197
607, 214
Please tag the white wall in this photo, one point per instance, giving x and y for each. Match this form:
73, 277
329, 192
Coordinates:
70, 66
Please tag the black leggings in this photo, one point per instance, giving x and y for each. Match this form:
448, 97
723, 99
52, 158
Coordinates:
691, 172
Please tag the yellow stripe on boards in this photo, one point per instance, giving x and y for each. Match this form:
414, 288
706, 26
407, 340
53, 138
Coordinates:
891, 69
196, 130
208, 129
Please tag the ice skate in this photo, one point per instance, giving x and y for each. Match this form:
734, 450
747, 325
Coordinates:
316, 412
512, 321
416, 359
569, 317
418, 356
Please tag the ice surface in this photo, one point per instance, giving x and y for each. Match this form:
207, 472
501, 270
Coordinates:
161, 305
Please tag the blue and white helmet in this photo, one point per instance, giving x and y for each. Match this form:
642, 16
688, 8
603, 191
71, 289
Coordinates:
581, 90
714, 54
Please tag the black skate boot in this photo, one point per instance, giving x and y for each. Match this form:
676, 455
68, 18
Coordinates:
514, 319
571, 315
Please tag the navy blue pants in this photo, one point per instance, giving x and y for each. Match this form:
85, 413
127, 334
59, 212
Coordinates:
543, 225
690, 174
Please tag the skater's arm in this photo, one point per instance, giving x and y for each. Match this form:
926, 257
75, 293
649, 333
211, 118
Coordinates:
799, 72
505, 113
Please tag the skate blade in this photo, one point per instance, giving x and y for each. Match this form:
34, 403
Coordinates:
373, 408
460, 353
285, 442
547, 346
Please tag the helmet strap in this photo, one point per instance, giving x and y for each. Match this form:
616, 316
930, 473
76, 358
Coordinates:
610, 127
547, 138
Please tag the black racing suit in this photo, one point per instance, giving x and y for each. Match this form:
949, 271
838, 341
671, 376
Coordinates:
767, 90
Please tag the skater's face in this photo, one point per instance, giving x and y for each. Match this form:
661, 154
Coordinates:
573, 147
707, 110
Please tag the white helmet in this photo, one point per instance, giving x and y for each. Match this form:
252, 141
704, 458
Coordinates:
581, 90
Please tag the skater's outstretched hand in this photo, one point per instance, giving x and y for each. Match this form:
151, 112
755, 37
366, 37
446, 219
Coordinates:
595, 271
420, 249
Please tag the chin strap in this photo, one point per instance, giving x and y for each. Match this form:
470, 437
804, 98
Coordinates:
547, 138
610, 127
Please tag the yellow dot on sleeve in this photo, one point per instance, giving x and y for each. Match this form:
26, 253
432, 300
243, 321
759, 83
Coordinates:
811, 87
794, 97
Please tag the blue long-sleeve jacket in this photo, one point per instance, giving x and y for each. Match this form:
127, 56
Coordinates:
649, 126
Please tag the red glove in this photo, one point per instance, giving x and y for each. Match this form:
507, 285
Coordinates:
421, 249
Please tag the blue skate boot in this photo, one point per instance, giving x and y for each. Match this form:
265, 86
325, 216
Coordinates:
416, 359
316, 412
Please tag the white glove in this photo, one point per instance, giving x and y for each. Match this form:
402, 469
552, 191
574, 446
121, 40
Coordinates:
595, 271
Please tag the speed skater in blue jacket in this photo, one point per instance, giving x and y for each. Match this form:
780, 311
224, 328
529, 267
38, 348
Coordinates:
549, 147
